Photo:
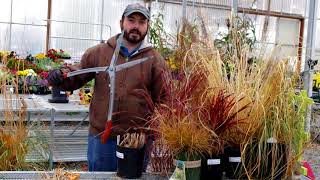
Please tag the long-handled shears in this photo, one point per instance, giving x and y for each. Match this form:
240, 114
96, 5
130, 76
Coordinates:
111, 69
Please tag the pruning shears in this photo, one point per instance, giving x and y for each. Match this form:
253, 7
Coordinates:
111, 70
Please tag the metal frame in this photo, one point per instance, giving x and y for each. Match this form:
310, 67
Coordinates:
48, 25
261, 12
310, 55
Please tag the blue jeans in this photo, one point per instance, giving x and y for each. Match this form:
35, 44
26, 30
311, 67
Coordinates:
102, 157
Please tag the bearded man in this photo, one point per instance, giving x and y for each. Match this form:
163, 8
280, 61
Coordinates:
130, 110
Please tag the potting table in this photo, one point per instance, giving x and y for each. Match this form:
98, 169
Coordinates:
40, 104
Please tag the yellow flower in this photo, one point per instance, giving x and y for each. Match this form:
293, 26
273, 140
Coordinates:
171, 64
4, 53
316, 78
40, 56
27, 72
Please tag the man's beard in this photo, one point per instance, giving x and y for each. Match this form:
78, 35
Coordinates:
136, 38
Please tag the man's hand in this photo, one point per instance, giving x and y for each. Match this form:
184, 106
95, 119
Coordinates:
55, 77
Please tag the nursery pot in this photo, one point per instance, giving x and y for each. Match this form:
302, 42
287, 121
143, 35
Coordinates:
58, 95
211, 167
278, 153
274, 165
130, 162
232, 162
192, 165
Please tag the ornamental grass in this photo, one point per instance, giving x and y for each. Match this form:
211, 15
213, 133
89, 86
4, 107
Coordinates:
177, 121
13, 133
234, 100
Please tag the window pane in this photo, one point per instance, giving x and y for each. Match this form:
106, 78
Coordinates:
289, 6
28, 39
84, 17
288, 31
4, 36
30, 11
318, 9
5, 11
113, 11
79, 18
74, 47
75, 30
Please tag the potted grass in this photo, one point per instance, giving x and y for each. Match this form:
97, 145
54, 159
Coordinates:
178, 124
278, 114
225, 103
130, 154
221, 116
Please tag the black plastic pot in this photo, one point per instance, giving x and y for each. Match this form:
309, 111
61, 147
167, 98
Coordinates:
281, 158
274, 166
58, 95
130, 162
211, 167
232, 162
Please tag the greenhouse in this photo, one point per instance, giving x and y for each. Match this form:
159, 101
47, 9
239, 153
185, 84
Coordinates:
160, 89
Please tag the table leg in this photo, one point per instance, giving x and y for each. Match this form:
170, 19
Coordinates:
51, 145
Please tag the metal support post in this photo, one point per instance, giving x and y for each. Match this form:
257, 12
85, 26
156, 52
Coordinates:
51, 142
10, 26
310, 54
234, 7
101, 28
184, 10
48, 33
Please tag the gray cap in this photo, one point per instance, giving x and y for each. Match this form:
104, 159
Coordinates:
134, 8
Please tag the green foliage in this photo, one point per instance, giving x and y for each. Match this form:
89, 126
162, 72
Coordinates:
47, 64
158, 36
301, 102
241, 34
90, 84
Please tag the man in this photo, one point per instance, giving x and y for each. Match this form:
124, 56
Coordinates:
130, 110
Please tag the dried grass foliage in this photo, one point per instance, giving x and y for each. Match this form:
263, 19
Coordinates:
61, 174
13, 133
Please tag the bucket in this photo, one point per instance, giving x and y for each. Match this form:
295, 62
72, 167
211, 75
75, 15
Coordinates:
211, 167
130, 162
192, 165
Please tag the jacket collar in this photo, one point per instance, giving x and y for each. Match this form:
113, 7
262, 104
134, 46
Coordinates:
144, 46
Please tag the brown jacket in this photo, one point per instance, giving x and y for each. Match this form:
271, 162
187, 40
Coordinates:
129, 109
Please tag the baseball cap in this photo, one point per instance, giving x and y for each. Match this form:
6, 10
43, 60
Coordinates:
134, 8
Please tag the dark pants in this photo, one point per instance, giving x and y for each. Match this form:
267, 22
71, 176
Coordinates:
102, 157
